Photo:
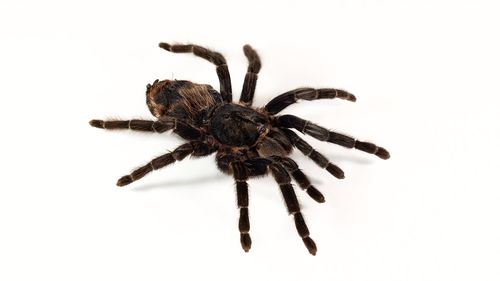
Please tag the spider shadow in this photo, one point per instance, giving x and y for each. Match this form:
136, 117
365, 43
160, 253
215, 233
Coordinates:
353, 159
193, 181
340, 158
337, 159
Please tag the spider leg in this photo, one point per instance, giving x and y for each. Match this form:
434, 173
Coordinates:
213, 57
134, 124
283, 179
314, 155
322, 134
194, 148
250, 82
240, 174
304, 183
184, 130
284, 100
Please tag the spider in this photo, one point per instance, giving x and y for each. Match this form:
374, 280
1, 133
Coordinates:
248, 141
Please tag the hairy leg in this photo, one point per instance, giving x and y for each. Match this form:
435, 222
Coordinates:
240, 175
194, 148
250, 82
184, 130
283, 179
322, 134
284, 100
304, 183
213, 57
314, 155
134, 124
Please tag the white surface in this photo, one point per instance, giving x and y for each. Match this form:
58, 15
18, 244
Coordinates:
426, 78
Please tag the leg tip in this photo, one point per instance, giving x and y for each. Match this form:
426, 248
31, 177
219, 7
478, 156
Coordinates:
315, 194
310, 245
97, 123
124, 181
164, 45
247, 48
335, 171
341, 94
383, 153
246, 241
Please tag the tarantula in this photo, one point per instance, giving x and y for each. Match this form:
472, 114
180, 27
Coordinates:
248, 141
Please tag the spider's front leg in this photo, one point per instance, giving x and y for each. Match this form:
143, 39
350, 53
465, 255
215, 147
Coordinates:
314, 155
283, 179
240, 174
322, 134
258, 167
302, 180
232, 164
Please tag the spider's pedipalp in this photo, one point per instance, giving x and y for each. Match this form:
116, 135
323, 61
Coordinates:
284, 100
283, 179
240, 174
302, 180
134, 124
322, 134
254, 65
213, 57
195, 148
314, 155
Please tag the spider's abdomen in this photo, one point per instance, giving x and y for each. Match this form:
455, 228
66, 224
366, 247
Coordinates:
180, 99
236, 125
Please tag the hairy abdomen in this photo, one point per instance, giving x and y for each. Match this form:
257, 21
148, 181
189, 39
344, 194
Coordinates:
181, 99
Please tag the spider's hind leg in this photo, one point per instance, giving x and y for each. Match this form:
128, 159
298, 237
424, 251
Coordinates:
211, 56
250, 82
284, 100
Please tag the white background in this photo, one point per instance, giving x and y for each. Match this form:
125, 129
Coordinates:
426, 74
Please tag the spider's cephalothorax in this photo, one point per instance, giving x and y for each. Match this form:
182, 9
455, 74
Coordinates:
249, 141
